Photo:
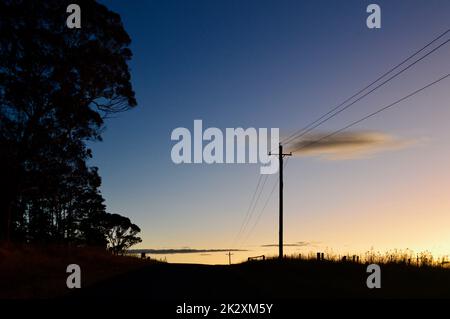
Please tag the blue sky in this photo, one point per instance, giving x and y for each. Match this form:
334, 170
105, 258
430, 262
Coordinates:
280, 64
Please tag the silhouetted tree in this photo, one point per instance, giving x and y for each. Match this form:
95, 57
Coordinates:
57, 85
121, 233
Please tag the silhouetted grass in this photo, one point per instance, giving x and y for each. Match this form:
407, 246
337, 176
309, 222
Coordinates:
40, 272
395, 256
293, 277
307, 277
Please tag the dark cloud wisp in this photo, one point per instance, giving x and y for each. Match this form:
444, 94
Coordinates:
179, 251
346, 145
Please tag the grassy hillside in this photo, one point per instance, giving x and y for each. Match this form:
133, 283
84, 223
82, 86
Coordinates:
272, 279
33, 272
40, 272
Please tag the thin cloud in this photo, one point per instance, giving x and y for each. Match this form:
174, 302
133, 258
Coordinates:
179, 251
297, 244
347, 145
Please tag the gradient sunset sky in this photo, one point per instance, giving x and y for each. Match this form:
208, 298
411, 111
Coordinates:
257, 63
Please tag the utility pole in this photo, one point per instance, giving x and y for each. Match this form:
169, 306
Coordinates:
280, 223
229, 257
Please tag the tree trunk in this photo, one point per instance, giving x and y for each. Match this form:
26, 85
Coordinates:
8, 194
5, 214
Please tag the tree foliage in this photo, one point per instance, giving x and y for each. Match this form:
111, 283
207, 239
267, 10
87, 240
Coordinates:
121, 233
57, 87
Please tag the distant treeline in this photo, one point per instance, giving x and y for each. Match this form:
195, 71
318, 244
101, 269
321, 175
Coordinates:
57, 87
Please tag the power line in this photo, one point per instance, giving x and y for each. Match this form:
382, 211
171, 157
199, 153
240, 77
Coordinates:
324, 118
256, 203
367, 93
374, 113
263, 207
248, 210
260, 213
251, 207
335, 111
